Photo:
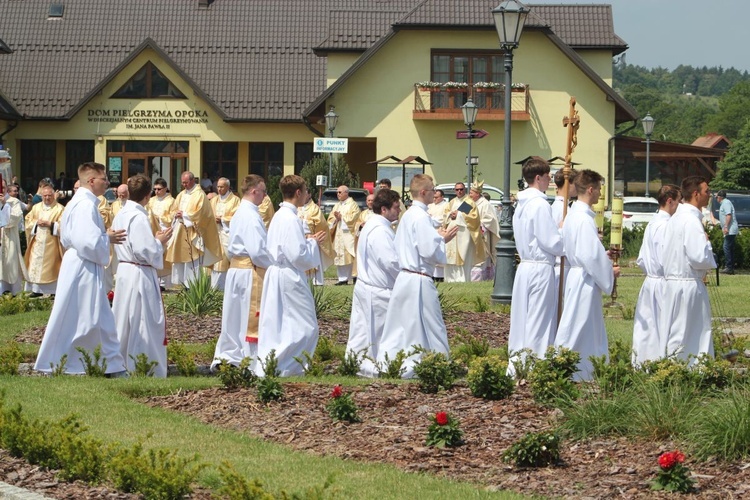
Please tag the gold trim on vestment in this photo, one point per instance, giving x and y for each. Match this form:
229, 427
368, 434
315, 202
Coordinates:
253, 318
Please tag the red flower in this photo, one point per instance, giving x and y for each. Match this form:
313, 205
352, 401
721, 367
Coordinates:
111, 295
669, 459
441, 418
336, 392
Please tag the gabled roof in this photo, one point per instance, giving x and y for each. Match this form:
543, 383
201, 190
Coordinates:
253, 60
570, 20
712, 140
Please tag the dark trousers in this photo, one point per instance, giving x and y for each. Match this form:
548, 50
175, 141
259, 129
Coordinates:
729, 251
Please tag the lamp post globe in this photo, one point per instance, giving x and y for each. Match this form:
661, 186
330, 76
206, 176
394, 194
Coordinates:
510, 17
469, 111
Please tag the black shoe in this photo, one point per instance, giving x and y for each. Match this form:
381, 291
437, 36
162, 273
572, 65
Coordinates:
354, 280
342, 283
162, 289
35, 295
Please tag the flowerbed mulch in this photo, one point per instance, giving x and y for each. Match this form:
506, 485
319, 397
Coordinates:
394, 423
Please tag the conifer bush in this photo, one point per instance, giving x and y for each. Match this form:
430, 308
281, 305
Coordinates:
487, 378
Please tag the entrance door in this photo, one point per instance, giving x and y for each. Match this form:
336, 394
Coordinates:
149, 165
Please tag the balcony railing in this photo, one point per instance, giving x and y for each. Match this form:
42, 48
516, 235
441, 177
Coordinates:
439, 103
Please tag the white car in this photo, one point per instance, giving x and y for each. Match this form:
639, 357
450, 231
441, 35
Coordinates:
636, 210
496, 195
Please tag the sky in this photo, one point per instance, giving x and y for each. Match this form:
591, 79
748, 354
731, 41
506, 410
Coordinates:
668, 33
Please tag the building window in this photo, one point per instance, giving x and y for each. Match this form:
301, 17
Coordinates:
76, 153
148, 82
38, 161
267, 159
303, 153
220, 160
470, 67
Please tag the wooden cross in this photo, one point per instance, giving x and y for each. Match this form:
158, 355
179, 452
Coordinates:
572, 121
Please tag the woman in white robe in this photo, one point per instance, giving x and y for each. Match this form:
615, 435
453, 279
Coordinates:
138, 306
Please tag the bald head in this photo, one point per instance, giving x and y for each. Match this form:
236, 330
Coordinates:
122, 192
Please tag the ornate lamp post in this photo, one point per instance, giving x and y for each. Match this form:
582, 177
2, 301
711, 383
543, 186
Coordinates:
510, 17
648, 129
469, 111
331, 120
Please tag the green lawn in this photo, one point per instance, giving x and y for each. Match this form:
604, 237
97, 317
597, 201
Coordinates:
108, 407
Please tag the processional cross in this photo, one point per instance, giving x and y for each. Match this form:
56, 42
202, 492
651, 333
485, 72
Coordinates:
572, 122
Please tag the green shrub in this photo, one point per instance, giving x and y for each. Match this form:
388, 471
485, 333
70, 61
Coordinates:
269, 389
481, 304
10, 358
155, 474
599, 415
616, 373
143, 367
535, 449
662, 412
326, 350
487, 378
349, 367
710, 373
523, 362
236, 487
22, 303
236, 377
435, 372
199, 298
184, 361
311, 365
393, 368
551, 378
270, 365
467, 347
59, 369
94, 365
667, 371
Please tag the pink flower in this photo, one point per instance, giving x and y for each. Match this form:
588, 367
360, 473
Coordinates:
441, 418
336, 392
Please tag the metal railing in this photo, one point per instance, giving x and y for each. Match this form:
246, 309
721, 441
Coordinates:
490, 101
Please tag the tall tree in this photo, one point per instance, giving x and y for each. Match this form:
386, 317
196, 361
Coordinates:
734, 170
734, 110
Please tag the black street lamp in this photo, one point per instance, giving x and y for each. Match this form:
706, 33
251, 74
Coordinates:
469, 111
648, 129
510, 17
331, 120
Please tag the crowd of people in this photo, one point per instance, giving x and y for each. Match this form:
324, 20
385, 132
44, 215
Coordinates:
147, 241
672, 315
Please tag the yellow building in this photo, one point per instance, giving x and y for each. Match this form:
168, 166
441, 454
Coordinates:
226, 87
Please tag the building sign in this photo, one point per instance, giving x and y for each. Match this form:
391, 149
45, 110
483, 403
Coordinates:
331, 145
158, 119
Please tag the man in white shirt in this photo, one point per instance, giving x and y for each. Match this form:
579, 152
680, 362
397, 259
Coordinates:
648, 344
533, 312
581, 326
249, 259
686, 257
288, 324
377, 265
81, 316
414, 316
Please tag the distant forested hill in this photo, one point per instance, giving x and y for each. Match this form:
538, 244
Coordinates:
687, 102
